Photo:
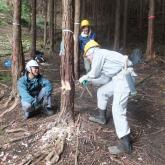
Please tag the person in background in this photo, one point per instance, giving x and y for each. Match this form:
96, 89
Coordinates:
35, 91
114, 74
85, 36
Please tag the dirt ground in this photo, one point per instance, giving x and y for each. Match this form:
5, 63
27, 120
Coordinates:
45, 140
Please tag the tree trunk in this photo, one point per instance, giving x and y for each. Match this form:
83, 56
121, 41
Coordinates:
55, 13
150, 54
76, 40
67, 63
17, 55
83, 9
117, 26
163, 19
95, 6
125, 23
33, 28
45, 22
51, 26
141, 20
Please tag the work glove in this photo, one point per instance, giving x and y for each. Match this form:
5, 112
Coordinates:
83, 80
85, 83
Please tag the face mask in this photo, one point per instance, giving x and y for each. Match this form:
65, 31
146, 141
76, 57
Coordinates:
84, 35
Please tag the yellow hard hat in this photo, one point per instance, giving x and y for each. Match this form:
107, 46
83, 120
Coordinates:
90, 44
85, 22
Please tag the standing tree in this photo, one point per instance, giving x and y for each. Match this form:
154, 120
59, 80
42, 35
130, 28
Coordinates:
163, 19
117, 26
33, 28
45, 22
141, 19
67, 63
76, 39
17, 55
125, 23
150, 54
51, 25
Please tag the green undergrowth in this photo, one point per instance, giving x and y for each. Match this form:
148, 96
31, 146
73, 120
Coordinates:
5, 77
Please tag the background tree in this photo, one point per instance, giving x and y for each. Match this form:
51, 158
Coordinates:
45, 22
117, 26
51, 25
150, 53
125, 23
33, 28
76, 39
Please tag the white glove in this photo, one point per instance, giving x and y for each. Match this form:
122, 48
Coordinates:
85, 77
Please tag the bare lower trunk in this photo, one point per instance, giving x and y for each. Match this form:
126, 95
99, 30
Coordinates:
67, 63
17, 56
150, 54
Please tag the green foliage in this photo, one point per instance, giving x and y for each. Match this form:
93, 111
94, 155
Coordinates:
25, 15
5, 46
26, 43
5, 77
40, 22
4, 8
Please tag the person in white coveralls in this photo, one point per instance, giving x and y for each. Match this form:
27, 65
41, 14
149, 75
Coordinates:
114, 74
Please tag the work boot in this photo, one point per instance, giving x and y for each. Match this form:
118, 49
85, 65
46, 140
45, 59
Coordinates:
48, 111
101, 118
27, 115
125, 146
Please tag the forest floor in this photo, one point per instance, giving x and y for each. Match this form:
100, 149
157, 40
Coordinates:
42, 140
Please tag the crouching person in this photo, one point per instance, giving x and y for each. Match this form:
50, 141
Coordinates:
114, 74
35, 91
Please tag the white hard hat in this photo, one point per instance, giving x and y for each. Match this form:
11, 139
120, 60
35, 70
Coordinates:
30, 64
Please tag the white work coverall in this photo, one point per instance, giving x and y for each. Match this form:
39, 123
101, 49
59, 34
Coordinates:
107, 70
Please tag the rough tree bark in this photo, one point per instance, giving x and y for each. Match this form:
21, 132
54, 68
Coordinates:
67, 63
45, 22
117, 26
17, 55
76, 39
150, 54
51, 26
163, 19
33, 29
141, 19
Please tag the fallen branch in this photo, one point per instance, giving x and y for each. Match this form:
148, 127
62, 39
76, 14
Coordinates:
142, 81
163, 129
54, 156
16, 130
5, 70
19, 138
8, 101
4, 85
11, 108
116, 160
